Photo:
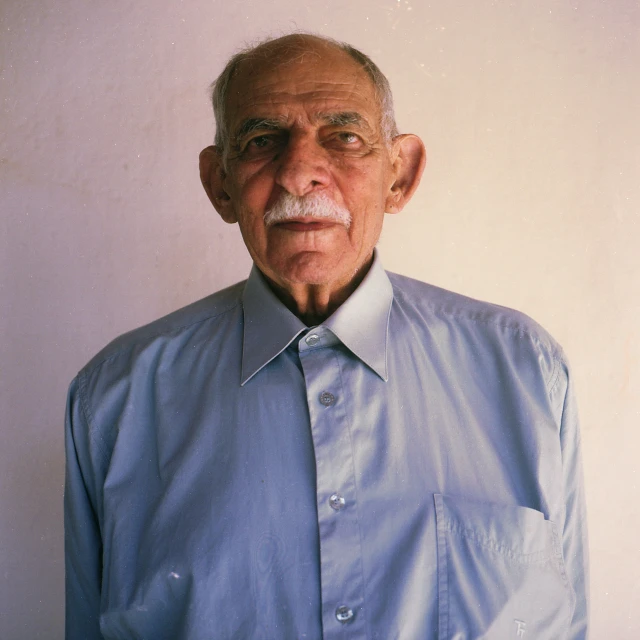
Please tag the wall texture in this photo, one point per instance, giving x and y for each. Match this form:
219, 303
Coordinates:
531, 199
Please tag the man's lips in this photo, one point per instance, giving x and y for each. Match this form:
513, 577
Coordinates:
306, 224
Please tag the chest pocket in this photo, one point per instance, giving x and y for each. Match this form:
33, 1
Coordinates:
500, 573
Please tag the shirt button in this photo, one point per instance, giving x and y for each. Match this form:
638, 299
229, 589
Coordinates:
344, 614
327, 399
337, 502
312, 339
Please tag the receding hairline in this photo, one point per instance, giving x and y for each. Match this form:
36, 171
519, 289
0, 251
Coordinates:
289, 47
288, 51
289, 44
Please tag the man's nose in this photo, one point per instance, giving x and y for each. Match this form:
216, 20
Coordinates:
303, 166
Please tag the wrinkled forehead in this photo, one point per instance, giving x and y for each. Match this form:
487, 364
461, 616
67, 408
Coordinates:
282, 74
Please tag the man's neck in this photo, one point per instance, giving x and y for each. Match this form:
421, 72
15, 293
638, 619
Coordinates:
314, 303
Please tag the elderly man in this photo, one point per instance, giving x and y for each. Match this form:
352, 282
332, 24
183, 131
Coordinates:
325, 450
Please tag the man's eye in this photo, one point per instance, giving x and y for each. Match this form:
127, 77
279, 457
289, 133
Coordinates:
260, 142
259, 145
345, 141
348, 138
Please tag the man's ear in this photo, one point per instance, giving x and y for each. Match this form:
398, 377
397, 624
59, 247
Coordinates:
212, 176
408, 157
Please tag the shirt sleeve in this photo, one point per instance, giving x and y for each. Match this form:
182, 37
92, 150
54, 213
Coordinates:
574, 540
83, 544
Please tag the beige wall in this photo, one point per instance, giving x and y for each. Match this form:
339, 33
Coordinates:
529, 111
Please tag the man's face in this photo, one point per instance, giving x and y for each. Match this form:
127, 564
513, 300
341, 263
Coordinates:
308, 127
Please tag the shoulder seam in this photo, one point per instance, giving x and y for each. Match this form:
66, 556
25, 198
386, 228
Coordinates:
88, 416
558, 362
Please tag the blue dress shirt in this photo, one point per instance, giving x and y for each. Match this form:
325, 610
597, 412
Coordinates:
408, 469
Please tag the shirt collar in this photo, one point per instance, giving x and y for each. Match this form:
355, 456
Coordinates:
360, 323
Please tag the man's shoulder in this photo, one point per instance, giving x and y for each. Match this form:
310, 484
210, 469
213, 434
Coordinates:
440, 306
212, 309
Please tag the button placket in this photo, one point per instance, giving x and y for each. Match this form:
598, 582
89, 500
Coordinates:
342, 581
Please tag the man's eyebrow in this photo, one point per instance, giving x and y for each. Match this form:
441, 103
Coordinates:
337, 119
257, 124
343, 118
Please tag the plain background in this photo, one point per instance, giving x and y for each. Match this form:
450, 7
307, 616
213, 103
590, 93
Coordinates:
530, 114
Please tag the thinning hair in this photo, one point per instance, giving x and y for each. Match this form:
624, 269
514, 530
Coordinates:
298, 43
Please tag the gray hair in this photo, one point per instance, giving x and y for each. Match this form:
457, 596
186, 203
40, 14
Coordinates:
220, 87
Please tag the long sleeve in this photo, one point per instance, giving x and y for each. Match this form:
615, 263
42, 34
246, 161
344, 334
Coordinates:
575, 542
83, 546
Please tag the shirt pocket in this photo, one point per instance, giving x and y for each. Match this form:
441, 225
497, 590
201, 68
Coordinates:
501, 574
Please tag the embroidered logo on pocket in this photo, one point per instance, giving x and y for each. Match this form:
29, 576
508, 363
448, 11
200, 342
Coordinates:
521, 627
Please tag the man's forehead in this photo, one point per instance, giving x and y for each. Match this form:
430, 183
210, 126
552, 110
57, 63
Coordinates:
282, 76
286, 99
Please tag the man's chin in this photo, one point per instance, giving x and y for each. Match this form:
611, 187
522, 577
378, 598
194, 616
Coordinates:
311, 267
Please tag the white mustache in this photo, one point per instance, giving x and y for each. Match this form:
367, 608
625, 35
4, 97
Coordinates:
319, 205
